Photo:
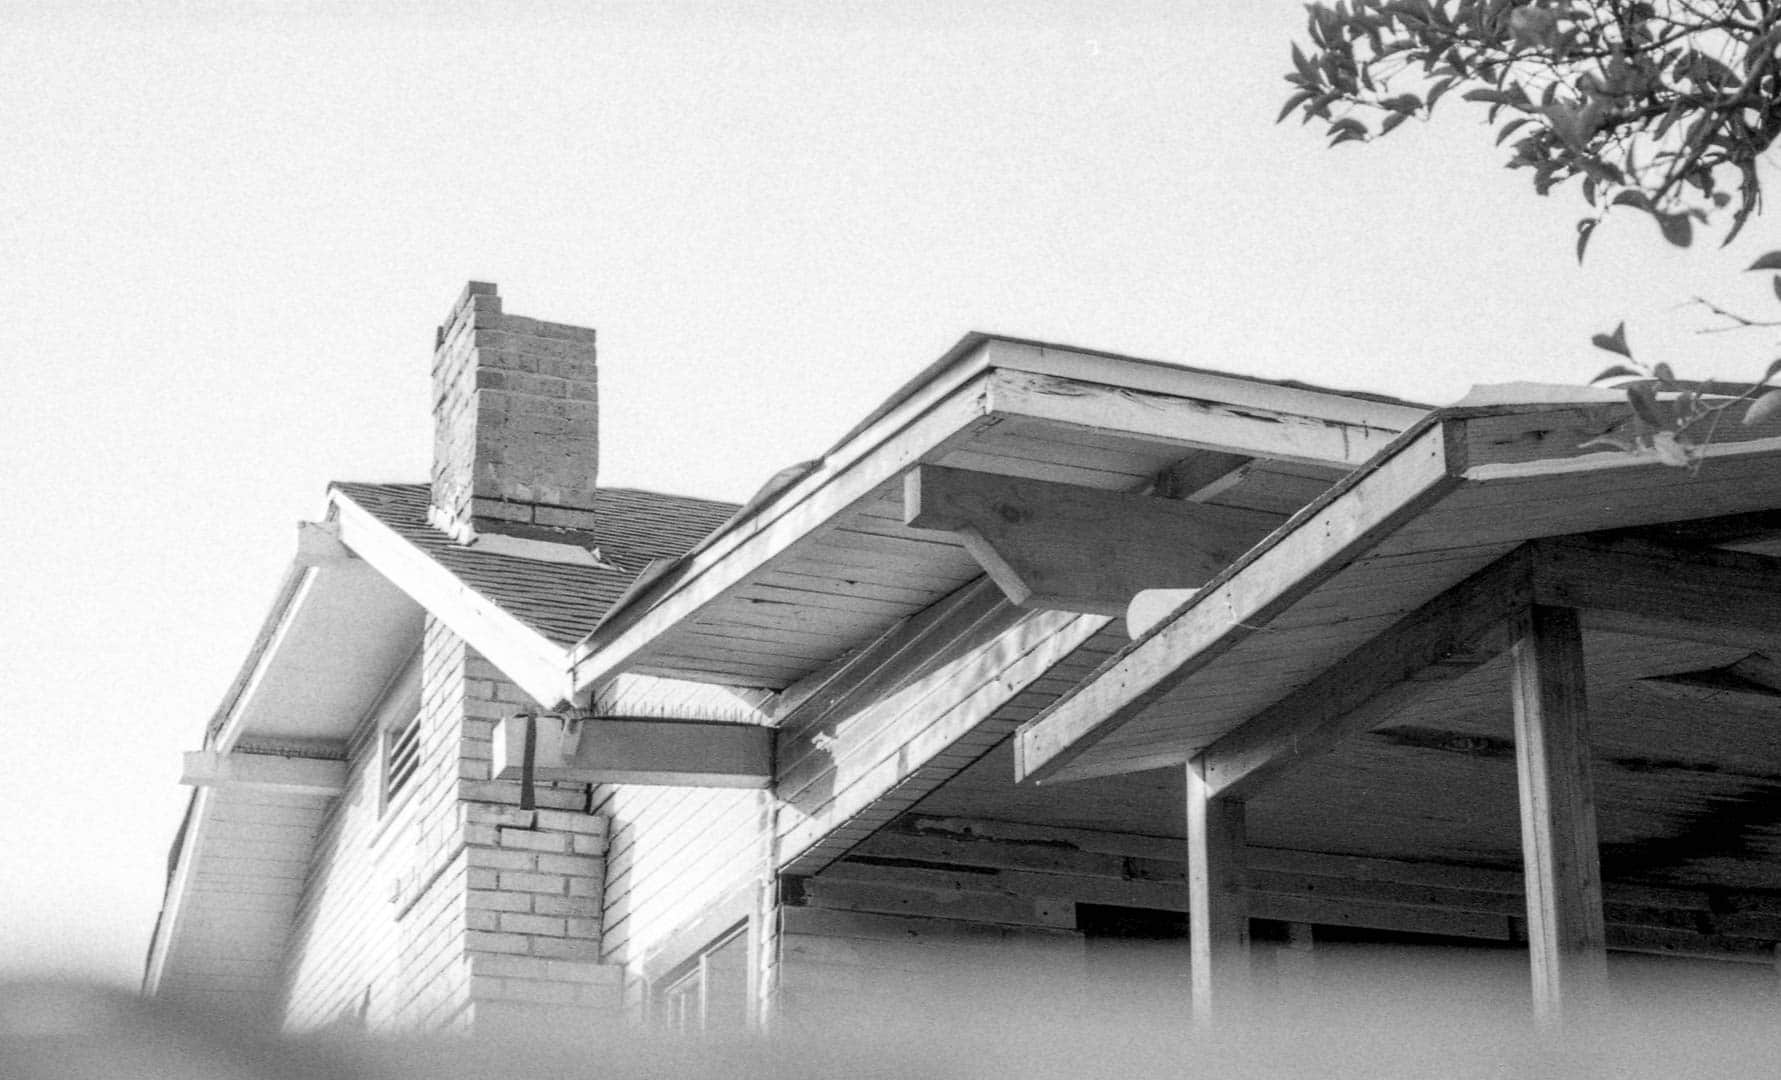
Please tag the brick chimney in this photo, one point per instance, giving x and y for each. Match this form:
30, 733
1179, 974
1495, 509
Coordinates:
515, 422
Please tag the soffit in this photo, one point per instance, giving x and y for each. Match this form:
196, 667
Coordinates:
827, 565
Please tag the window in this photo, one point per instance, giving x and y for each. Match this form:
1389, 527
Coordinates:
710, 992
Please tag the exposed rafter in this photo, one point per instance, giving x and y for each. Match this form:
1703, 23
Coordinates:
1449, 636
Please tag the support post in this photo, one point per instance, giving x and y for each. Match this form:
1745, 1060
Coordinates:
1566, 944
1217, 910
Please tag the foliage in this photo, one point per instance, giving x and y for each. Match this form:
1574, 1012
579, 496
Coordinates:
1661, 106
1674, 418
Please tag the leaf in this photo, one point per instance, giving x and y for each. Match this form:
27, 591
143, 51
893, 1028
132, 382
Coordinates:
1618, 371
1670, 450
1614, 343
1763, 408
1633, 198
1777, 282
1509, 129
1347, 129
1585, 229
1644, 402
1292, 103
1767, 261
1300, 61
1677, 229
1392, 122
1494, 97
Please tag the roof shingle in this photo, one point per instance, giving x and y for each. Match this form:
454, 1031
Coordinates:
561, 602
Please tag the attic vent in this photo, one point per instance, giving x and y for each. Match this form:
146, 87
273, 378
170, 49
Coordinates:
401, 756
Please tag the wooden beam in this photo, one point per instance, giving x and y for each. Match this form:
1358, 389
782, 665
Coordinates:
1071, 548
1347, 520
1217, 910
1567, 947
1444, 639
1669, 588
305, 776
622, 750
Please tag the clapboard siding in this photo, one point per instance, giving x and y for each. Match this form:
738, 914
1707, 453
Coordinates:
673, 851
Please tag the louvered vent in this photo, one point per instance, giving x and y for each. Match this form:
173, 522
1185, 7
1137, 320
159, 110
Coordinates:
401, 756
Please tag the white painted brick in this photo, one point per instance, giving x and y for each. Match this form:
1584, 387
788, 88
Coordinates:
586, 907
569, 821
521, 881
498, 814
588, 845
502, 859
483, 941
492, 900
582, 865
534, 841
566, 949
515, 923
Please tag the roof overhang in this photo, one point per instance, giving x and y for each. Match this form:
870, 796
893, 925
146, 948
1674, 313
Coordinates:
1452, 496
827, 562
336, 634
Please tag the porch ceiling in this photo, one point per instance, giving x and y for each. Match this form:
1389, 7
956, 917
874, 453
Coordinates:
1455, 495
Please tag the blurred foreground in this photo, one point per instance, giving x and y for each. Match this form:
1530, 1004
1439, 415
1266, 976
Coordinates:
1378, 1023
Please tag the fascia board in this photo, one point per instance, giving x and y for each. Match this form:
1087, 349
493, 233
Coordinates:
225, 726
173, 903
1151, 376
539, 667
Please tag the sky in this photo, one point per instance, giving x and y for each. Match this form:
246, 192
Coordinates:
227, 232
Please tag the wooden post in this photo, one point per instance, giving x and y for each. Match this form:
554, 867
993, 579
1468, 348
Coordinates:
1566, 945
1217, 910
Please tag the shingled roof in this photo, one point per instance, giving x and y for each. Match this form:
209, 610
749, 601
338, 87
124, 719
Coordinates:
561, 602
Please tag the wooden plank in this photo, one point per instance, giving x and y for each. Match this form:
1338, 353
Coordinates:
1566, 945
1217, 907
1194, 422
1444, 639
1062, 546
625, 750
1329, 534
308, 776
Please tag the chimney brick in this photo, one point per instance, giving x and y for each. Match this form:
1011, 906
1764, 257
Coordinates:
515, 421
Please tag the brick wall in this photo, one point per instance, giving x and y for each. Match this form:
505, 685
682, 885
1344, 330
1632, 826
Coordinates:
452, 907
